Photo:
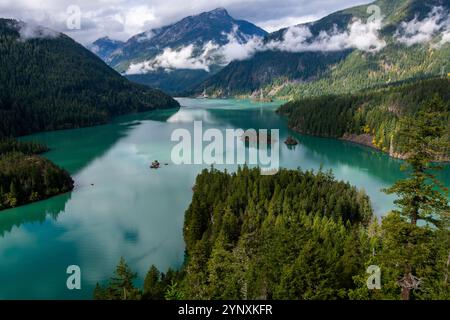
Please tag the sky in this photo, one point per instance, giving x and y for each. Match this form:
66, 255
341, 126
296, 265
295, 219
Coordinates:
121, 19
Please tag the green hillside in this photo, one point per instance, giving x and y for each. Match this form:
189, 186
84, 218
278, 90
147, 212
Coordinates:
26, 177
339, 72
368, 117
52, 82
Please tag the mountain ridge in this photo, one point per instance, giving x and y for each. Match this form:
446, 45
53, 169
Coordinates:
51, 82
192, 38
394, 61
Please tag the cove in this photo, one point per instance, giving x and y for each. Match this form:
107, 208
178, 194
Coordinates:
120, 207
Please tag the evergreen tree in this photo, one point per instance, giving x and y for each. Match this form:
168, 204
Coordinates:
421, 197
120, 286
153, 289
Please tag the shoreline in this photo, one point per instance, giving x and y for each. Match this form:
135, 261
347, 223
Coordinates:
360, 141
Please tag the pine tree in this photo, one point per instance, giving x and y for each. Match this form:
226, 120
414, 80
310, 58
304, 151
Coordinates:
173, 292
421, 197
121, 284
152, 285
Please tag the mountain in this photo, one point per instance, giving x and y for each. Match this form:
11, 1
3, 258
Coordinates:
51, 82
371, 117
353, 52
192, 45
105, 47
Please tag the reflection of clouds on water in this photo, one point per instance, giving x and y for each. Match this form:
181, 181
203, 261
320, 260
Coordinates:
127, 211
135, 212
14, 240
187, 115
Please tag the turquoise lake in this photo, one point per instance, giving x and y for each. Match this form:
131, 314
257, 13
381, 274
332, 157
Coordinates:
120, 207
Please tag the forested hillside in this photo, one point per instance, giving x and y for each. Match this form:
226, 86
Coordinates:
336, 70
294, 235
371, 116
269, 69
48, 82
26, 177
288, 236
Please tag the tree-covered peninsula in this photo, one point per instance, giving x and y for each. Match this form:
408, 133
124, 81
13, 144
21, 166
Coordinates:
26, 177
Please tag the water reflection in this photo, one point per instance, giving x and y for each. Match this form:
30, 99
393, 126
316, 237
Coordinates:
122, 208
33, 213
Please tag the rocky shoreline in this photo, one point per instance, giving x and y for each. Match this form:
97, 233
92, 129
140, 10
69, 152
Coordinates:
366, 140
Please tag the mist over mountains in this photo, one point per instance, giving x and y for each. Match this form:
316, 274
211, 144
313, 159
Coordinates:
215, 53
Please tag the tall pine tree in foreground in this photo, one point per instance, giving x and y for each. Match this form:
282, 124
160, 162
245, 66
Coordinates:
120, 286
418, 232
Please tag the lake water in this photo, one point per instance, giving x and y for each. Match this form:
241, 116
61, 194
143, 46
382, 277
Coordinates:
120, 207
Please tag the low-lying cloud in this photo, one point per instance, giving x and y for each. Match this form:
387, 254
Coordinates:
359, 35
190, 57
182, 58
423, 31
29, 31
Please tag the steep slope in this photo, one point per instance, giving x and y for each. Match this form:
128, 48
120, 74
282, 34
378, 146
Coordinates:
105, 47
392, 57
269, 67
192, 45
51, 82
371, 117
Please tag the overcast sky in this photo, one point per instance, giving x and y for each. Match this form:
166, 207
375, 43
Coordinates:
120, 19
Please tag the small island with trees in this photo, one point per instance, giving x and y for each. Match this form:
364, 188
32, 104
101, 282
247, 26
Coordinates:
291, 141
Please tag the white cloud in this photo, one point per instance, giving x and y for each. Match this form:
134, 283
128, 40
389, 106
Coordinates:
272, 25
445, 37
136, 18
359, 35
423, 31
182, 58
190, 57
147, 35
29, 31
121, 19
235, 49
295, 39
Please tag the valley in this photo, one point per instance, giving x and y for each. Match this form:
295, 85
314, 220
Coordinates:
130, 210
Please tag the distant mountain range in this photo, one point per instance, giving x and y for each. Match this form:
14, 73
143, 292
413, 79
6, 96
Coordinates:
346, 51
181, 54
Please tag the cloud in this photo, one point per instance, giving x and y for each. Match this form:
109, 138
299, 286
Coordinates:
94, 48
272, 25
181, 58
423, 31
190, 57
121, 19
445, 37
145, 36
30, 31
236, 49
359, 35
